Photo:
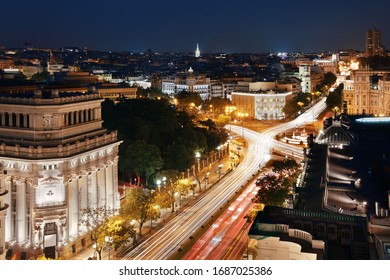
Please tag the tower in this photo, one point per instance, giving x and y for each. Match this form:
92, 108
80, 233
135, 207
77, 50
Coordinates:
197, 51
373, 43
57, 160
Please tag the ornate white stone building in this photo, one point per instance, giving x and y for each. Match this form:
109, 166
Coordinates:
261, 105
367, 92
57, 160
3, 211
190, 82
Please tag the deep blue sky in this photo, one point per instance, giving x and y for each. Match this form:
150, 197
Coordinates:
227, 25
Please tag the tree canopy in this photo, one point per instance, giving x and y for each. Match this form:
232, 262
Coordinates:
143, 159
159, 131
136, 206
274, 187
102, 222
273, 190
334, 98
328, 81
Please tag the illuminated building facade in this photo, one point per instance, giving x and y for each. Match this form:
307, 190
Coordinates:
191, 83
115, 92
311, 76
3, 211
264, 105
367, 92
57, 160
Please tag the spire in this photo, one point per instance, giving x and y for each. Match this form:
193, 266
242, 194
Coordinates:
197, 52
52, 59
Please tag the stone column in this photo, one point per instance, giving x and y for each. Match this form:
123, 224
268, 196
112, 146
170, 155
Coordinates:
109, 186
38, 233
92, 189
21, 210
62, 230
73, 202
101, 183
8, 199
83, 191
17, 118
115, 186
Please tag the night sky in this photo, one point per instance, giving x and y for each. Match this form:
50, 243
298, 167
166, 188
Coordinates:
228, 26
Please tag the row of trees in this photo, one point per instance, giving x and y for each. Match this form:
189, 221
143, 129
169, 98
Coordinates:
142, 204
158, 135
275, 187
334, 99
138, 206
160, 140
101, 223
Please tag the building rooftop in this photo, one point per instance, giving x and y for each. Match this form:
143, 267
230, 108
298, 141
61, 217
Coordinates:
356, 244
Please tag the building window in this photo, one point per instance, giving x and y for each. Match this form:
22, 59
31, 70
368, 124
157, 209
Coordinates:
331, 230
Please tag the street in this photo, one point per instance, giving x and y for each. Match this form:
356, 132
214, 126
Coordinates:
170, 238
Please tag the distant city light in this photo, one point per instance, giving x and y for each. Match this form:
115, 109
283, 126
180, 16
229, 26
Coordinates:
374, 120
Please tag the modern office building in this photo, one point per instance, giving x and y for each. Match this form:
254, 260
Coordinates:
57, 160
374, 43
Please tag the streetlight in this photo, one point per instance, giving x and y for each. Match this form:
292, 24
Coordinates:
177, 196
206, 180
232, 161
219, 171
109, 241
197, 169
95, 252
211, 110
158, 184
164, 179
197, 156
219, 152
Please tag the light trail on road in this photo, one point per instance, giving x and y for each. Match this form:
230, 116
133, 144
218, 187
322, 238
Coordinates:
169, 239
227, 237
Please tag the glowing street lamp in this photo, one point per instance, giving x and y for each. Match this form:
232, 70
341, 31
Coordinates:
109, 240
219, 171
197, 169
206, 180
158, 182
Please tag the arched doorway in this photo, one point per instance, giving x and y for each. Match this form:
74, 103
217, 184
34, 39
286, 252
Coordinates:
50, 240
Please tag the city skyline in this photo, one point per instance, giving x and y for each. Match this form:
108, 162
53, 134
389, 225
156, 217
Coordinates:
174, 27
